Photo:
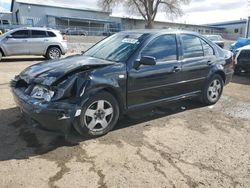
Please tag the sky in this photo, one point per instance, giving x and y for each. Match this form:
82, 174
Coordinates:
197, 12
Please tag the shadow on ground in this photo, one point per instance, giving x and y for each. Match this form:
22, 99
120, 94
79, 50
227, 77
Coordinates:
244, 79
19, 140
21, 59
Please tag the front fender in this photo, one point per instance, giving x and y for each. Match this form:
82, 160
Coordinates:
109, 85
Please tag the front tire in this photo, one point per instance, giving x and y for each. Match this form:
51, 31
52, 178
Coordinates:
53, 53
212, 90
99, 115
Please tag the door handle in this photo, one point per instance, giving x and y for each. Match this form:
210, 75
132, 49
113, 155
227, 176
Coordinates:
176, 69
46, 40
25, 40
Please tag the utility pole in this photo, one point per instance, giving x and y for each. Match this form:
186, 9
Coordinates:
247, 27
248, 21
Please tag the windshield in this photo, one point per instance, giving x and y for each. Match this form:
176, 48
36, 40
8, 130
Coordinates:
214, 38
118, 47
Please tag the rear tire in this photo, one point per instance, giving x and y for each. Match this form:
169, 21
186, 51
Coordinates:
212, 90
53, 53
99, 115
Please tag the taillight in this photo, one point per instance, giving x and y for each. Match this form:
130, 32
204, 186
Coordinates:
233, 60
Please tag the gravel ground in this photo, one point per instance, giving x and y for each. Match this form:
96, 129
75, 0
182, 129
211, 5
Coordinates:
173, 145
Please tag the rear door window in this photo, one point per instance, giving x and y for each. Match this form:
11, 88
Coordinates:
51, 34
208, 50
20, 34
163, 48
38, 34
191, 46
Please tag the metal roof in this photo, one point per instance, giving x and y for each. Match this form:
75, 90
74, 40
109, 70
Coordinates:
221, 24
53, 3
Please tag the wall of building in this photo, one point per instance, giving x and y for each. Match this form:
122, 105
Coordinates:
234, 29
6, 16
129, 24
39, 14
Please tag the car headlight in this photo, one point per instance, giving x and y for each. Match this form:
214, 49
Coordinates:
40, 92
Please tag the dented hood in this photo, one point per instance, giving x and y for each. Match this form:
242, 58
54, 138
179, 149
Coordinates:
50, 71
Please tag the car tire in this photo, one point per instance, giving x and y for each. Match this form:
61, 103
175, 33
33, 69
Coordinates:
238, 70
1, 55
99, 115
213, 90
53, 53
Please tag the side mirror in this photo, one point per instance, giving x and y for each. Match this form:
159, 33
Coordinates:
145, 60
148, 60
82, 52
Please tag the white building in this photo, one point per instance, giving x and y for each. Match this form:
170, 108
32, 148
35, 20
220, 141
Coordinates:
94, 21
233, 29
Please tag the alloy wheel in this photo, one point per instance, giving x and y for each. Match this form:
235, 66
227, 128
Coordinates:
54, 53
214, 90
98, 115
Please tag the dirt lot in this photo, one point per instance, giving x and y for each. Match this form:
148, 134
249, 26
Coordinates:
174, 145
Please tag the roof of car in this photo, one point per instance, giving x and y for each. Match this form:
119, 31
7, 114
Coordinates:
160, 31
247, 47
35, 28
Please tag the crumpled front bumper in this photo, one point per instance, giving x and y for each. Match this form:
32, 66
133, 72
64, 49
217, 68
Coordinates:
55, 116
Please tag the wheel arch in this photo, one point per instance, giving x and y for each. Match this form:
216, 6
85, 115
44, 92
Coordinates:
111, 90
1, 50
53, 45
222, 74
219, 70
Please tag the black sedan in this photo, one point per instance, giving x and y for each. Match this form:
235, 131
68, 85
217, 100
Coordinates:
129, 70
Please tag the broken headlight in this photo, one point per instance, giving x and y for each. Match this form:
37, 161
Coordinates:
40, 92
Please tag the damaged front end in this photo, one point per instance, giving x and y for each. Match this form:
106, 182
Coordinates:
52, 93
53, 104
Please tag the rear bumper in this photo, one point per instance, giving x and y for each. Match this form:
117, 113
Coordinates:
64, 48
229, 77
55, 116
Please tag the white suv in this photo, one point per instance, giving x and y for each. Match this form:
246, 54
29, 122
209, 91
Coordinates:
33, 41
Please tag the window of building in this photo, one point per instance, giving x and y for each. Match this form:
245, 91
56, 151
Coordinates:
38, 34
191, 46
20, 34
4, 22
236, 30
163, 48
29, 22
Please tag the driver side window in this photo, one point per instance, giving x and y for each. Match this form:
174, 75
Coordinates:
162, 48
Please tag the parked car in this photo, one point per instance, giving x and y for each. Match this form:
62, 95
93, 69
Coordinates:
33, 41
241, 42
217, 39
128, 70
242, 60
75, 31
